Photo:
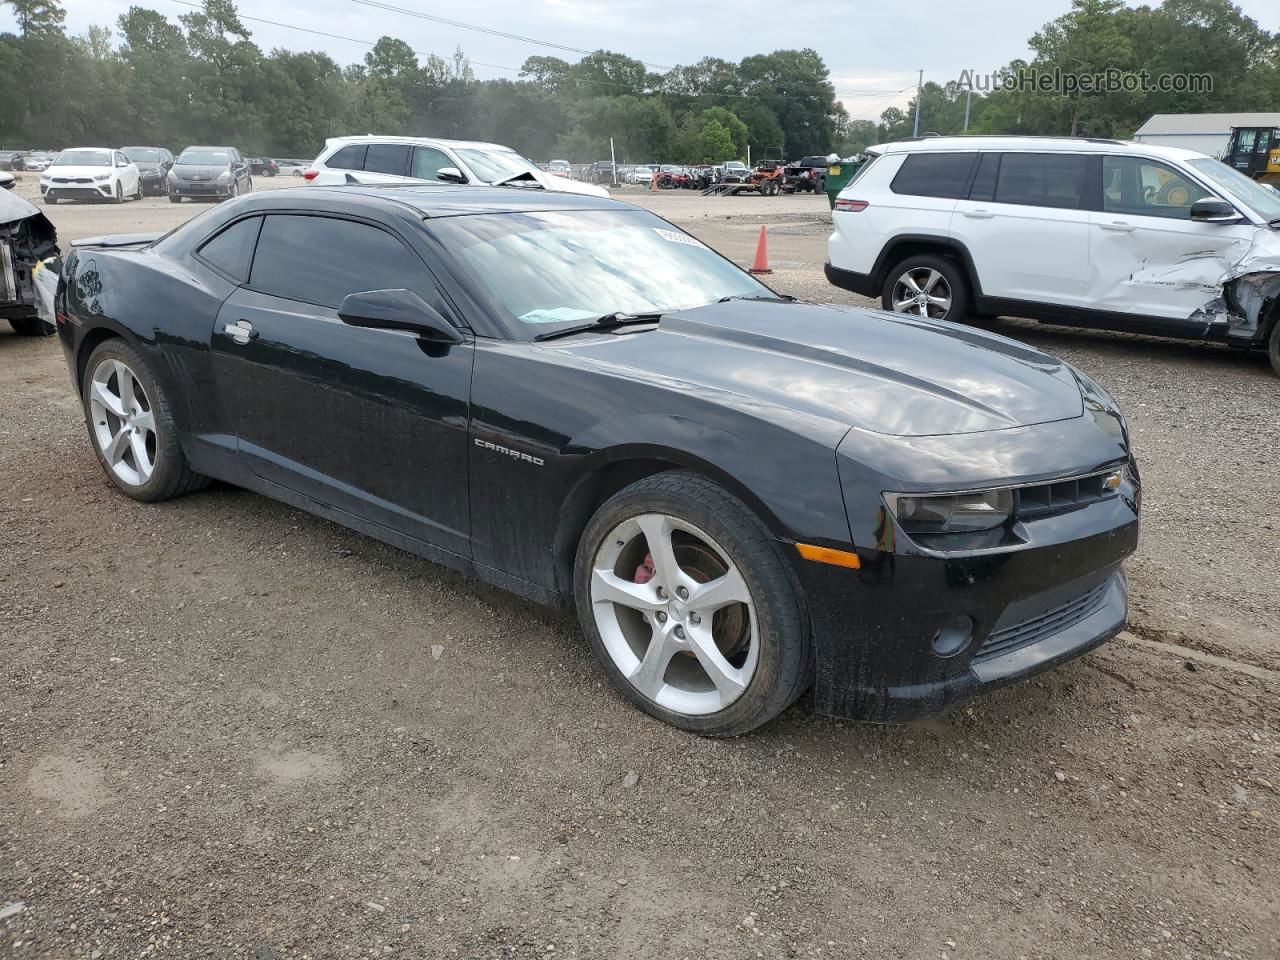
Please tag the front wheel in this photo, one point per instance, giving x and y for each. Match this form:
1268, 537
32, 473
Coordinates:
119, 197
131, 428
926, 286
690, 606
1273, 342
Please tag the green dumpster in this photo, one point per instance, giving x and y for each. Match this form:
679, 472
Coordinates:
839, 174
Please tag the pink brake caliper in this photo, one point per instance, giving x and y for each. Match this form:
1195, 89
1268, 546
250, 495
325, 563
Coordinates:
644, 572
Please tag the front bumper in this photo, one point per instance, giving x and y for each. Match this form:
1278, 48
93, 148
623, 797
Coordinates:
202, 188
78, 191
1030, 609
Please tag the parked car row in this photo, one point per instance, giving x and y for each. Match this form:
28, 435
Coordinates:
116, 175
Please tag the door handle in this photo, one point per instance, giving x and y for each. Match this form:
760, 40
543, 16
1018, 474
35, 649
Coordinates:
241, 331
1119, 226
979, 214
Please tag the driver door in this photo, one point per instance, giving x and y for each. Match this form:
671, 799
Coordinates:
369, 422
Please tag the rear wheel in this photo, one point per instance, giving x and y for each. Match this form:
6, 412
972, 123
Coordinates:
690, 606
131, 428
926, 286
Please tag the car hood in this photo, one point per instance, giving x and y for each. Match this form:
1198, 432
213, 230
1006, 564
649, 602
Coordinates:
76, 171
147, 166
14, 208
883, 372
190, 171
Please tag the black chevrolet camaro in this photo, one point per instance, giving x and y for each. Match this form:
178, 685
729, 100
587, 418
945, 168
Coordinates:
743, 495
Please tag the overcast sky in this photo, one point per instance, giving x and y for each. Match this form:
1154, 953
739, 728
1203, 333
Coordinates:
873, 53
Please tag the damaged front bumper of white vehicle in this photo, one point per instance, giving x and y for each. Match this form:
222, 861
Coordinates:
28, 244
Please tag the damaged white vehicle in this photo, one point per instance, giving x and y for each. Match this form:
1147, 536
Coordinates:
28, 262
1087, 232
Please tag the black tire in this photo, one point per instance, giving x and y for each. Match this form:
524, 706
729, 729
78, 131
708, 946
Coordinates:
32, 327
172, 477
119, 197
951, 273
51, 201
1273, 341
784, 669
174, 198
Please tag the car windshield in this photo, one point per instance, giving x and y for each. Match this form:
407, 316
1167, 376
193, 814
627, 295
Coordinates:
1265, 203
205, 158
83, 158
555, 268
493, 165
142, 154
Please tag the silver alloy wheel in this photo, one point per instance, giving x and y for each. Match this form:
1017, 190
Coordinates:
924, 291
688, 638
124, 426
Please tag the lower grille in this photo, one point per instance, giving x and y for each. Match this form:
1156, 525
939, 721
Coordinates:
1044, 625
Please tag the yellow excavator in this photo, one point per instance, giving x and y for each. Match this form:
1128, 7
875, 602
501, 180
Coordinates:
1255, 152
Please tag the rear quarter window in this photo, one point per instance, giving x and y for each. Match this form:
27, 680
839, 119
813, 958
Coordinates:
934, 175
350, 157
231, 250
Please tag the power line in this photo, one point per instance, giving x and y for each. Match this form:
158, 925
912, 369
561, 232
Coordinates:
499, 66
377, 5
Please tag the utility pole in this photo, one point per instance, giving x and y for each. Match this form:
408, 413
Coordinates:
919, 85
968, 99
613, 162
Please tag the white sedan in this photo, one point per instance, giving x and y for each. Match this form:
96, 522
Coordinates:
91, 173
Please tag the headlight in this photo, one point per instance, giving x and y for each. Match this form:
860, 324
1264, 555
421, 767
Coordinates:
102, 176
953, 512
224, 175
172, 175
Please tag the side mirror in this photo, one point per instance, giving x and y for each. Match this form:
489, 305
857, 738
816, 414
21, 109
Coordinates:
450, 175
397, 310
1213, 210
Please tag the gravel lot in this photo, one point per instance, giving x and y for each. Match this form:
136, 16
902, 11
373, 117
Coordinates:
229, 729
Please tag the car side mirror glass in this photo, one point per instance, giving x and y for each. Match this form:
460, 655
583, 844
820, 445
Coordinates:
397, 310
450, 175
1213, 210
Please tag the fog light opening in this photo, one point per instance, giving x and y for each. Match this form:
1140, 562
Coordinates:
954, 637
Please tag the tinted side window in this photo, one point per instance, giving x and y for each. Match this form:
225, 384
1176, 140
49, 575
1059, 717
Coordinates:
350, 157
390, 158
232, 249
1042, 180
934, 174
321, 260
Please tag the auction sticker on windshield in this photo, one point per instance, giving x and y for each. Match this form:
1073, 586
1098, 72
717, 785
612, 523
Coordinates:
675, 237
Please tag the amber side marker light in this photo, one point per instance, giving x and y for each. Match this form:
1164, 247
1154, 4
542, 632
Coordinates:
837, 558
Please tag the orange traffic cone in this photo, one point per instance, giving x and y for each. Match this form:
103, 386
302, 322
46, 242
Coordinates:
761, 264
653, 182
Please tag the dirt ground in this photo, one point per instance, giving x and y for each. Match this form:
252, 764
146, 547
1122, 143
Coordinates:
229, 729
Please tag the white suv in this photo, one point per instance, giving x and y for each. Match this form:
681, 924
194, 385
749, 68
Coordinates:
1094, 233
420, 160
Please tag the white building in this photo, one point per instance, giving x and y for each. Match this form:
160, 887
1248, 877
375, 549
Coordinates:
1206, 132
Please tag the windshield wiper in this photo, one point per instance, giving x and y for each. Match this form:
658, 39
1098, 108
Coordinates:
610, 321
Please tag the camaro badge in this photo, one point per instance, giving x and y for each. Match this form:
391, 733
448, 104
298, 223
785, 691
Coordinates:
514, 454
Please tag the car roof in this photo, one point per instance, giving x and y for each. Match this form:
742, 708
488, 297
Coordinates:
1074, 144
424, 141
195, 146
445, 200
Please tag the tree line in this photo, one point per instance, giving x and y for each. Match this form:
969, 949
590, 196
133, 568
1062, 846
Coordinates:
149, 79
